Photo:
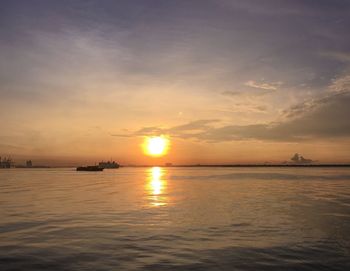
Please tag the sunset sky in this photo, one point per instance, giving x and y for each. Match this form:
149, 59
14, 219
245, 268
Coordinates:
225, 81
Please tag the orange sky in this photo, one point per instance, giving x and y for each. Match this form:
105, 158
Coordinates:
226, 81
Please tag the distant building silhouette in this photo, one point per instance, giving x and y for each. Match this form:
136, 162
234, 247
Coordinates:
298, 159
6, 162
29, 163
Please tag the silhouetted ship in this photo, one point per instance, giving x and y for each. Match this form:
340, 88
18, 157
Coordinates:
108, 164
89, 168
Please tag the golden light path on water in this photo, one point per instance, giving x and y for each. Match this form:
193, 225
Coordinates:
156, 186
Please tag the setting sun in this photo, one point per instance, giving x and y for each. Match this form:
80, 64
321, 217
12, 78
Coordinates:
156, 146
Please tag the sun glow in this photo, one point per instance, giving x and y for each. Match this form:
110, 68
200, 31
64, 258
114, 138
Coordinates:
156, 146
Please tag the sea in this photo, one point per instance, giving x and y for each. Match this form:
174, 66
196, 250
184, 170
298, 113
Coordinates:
173, 218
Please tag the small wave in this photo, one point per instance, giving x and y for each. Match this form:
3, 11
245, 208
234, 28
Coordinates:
260, 176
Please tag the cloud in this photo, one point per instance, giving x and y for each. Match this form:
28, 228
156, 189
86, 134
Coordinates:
326, 118
246, 94
340, 56
340, 84
193, 126
191, 129
249, 107
299, 109
266, 86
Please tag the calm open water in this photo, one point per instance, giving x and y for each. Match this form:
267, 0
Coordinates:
175, 219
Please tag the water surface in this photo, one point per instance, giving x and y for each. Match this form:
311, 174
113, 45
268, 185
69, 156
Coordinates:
175, 219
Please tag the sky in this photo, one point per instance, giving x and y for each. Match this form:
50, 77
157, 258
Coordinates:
226, 81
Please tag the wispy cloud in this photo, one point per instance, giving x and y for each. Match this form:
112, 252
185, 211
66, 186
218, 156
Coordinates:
263, 85
337, 55
341, 83
187, 130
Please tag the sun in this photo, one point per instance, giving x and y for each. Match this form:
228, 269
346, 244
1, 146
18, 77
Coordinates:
156, 145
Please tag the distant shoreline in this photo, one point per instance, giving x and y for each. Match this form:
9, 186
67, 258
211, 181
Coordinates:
201, 166
246, 165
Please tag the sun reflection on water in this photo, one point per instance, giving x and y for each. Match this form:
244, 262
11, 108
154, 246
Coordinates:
156, 187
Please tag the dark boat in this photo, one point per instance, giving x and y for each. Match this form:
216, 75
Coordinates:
89, 168
108, 164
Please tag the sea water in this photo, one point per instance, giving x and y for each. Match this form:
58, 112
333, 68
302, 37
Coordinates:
266, 218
